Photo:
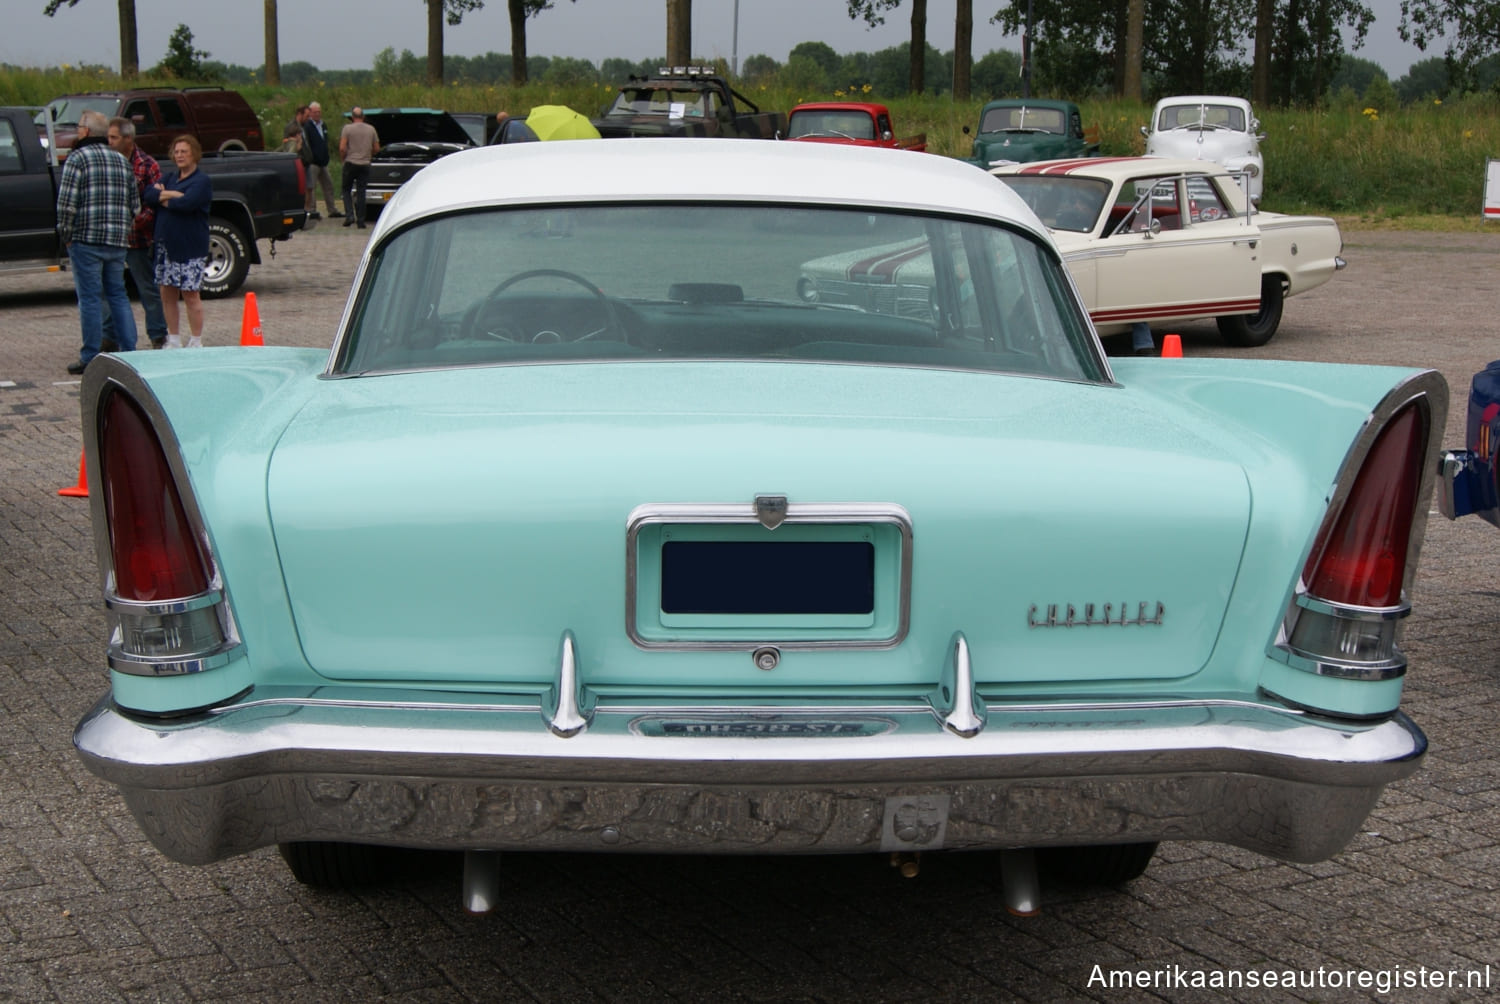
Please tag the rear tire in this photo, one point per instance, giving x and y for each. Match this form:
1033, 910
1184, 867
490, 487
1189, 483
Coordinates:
1246, 331
228, 259
331, 865
1103, 864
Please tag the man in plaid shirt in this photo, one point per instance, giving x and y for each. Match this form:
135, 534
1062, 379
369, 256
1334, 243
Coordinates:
138, 257
97, 201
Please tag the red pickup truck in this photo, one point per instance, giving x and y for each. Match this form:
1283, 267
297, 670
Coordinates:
859, 123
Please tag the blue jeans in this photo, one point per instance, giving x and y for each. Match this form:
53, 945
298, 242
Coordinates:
143, 271
99, 279
1140, 336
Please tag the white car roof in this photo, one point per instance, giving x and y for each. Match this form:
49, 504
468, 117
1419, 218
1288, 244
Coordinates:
1201, 99
1113, 168
689, 169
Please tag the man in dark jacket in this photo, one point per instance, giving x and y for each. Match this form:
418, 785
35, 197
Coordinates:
97, 202
315, 142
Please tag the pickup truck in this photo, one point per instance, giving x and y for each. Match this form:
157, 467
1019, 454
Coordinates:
256, 196
1021, 130
686, 101
854, 123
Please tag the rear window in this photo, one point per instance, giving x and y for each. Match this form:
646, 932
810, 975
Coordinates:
688, 282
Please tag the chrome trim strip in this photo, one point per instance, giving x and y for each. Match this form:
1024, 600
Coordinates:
186, 604
1349, 612
835, 513
1430, 392
567, 706
1322, 665
302, 699
181, 666
956, 699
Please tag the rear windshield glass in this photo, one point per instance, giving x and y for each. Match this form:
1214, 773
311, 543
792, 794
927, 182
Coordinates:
667, 282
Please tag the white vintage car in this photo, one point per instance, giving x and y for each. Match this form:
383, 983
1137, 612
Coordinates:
1146, 240
1218, 129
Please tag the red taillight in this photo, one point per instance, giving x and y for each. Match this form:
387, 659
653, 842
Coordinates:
1360, 559
301, 178
155, 555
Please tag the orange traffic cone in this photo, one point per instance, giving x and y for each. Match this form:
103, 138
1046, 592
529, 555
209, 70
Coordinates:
80, 490
250, 333
1171, 347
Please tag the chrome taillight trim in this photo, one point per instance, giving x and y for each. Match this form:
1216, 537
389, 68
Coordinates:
187, 604
1428, 391
1348, 612
122, 663
109, 374
1320, 665
747, 513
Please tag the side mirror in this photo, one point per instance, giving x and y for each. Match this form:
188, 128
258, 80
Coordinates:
1153, 229
886, 135
1254, 124
1145, 132
966, 130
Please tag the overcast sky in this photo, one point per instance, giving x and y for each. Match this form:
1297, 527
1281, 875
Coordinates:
344, 34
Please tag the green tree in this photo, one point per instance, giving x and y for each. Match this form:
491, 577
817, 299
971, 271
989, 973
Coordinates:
1424, 79
520, 11
563, 71
819, 52
997, 75
805, 76
1380, 95
873, 13
1471, 28
130, 54
1356, 74
437, 11
182, 61
759, 68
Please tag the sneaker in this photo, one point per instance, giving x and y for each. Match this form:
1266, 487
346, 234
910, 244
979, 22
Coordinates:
315, 215
195, 342
76, 368
159, 343
1145, 351
173, 342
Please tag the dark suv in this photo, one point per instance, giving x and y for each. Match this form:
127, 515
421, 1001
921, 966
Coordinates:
221, 119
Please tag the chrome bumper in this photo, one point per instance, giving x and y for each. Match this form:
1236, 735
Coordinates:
399, 770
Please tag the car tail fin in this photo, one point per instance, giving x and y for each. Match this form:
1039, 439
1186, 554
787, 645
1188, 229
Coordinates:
1341, 627
170, 616
151, 542
1360, 555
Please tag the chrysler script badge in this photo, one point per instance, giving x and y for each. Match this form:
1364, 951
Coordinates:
1144, 614
770, 510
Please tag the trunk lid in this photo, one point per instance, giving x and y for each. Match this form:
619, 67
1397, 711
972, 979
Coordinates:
450, 526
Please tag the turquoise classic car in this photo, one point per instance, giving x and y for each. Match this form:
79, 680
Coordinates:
1021, 130
598, 537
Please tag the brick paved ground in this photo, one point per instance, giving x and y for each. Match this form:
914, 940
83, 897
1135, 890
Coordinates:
90, 912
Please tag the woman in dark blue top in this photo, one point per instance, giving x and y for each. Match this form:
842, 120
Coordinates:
182, 200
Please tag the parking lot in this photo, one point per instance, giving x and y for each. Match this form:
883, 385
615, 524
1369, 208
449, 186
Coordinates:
90, 912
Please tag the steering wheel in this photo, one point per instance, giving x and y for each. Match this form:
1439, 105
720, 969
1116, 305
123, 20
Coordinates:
475, 323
